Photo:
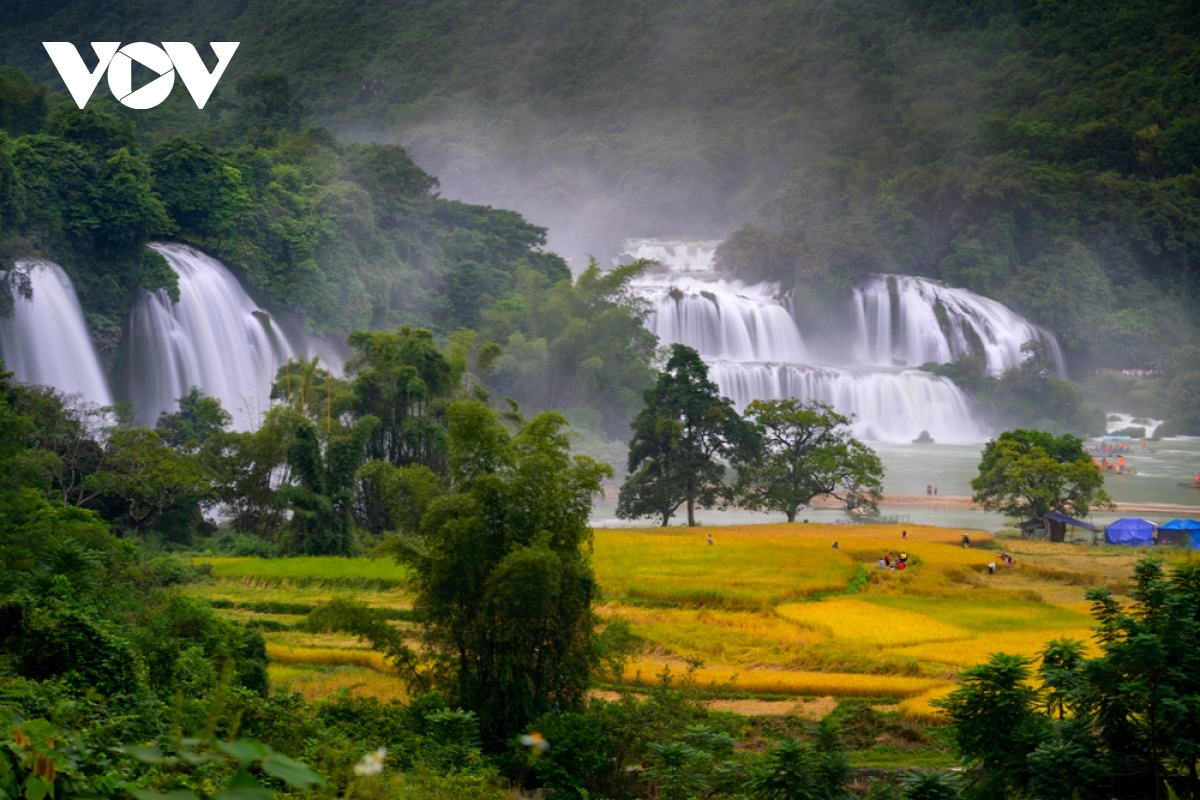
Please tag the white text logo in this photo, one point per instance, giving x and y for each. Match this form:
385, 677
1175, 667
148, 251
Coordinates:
165, 61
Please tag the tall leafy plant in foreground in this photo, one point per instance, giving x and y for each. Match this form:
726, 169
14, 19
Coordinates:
503, 577
1125, 724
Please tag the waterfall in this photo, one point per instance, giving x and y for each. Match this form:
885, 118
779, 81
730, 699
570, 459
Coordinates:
887, 406
46, 341
755, 350
922, 320
216, 337
723, 319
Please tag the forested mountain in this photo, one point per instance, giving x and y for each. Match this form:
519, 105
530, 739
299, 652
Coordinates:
1042, 153
1039, 152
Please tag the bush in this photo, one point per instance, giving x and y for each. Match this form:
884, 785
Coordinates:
238, 544
73, 644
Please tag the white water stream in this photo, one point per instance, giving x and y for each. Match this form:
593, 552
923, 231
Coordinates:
216, 337
45, 340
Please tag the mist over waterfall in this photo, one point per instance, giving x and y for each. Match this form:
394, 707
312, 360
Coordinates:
46, 341
755, 349
216, 337
905, 321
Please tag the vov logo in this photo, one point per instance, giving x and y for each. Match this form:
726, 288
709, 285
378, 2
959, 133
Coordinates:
118, 61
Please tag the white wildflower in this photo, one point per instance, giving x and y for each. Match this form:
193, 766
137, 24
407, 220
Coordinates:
371, 763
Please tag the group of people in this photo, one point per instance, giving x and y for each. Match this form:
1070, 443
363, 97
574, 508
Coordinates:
1004, 557
930, 489
1108, 465
889, 561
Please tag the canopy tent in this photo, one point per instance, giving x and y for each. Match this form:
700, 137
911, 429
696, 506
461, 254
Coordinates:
1179, 532
1130, 531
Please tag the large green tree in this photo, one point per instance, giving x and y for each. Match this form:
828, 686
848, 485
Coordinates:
503, 578
679, 441
1026, 472
804, 450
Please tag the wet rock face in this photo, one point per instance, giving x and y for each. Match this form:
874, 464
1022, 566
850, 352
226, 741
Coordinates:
924, 438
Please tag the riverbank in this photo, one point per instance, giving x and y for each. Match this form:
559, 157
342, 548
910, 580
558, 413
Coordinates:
954, 501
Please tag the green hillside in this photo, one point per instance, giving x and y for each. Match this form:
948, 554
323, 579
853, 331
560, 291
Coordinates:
1042, 153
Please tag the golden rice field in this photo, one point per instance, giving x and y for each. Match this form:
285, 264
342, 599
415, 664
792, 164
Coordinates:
766, 610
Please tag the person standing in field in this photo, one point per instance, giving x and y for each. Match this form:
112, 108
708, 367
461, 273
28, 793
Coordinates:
710, 538
904, 535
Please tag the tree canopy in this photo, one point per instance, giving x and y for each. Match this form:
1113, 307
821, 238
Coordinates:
803, 450
679, 440
1027, 472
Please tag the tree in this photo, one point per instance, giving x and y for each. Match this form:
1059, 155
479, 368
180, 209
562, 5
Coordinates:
503, 577
797, 771
678, 439
198, 420
1033, 472
997, 722
142, 478
575, 345
806, 451
322, 495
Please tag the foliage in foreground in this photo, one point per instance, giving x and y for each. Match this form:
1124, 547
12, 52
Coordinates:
1119, 725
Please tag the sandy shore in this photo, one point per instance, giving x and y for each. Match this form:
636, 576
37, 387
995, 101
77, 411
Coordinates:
951, 501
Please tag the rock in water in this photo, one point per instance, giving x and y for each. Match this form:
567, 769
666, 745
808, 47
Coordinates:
924, 438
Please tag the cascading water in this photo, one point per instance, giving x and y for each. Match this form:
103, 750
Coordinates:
45, 341
755, 349
216, 337
906, 321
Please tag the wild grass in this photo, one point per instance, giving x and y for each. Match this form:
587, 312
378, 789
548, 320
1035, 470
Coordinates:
315, 571
744, 568
870, 624
337, 682
326, 656
920, 707
790, 682
752, 639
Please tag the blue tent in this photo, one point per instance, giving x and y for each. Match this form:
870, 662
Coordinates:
1180, 525
1130, 531
1177, 532
1180, 533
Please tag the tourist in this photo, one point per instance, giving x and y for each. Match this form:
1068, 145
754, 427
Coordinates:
901, 565
966, 542
904, 535
929, 488
903, 557
710, 538
883, 564
887, 558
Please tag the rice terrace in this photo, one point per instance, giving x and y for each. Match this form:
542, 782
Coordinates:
769, 619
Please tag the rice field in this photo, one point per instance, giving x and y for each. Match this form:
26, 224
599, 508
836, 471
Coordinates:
771, 611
